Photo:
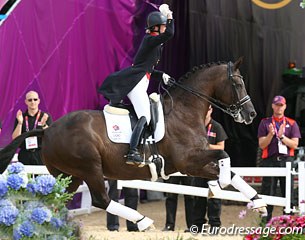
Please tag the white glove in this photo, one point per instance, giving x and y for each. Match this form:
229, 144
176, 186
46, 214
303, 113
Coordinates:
164, 9
166, 78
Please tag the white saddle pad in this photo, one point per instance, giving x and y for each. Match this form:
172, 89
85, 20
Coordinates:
119, 126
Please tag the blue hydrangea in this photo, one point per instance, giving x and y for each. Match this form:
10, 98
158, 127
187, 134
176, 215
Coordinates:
30, 205
41, 215
15, 167
14, 181
3, 187
27, 229
45, 184
56, 222
16, 234
31, 187
8, 215
5, 203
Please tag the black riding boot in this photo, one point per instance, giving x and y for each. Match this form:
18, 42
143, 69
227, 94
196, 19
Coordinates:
133, 156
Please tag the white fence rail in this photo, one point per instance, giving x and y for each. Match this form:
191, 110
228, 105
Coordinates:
287, 172
232, 195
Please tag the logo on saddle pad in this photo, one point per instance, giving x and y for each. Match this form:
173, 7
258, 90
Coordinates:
116, 128
118, 123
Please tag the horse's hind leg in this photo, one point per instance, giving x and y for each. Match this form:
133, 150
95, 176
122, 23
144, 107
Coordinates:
101, 199
226, 177
75, 182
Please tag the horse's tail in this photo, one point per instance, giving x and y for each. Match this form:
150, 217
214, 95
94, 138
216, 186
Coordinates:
7, 153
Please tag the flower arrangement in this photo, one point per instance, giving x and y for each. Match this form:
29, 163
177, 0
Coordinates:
34, 208
279, 227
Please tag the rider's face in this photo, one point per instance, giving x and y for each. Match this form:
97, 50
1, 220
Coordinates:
162, 28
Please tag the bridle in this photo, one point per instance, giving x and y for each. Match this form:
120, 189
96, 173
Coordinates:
232, 109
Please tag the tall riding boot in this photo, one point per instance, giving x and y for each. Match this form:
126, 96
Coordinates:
133, 156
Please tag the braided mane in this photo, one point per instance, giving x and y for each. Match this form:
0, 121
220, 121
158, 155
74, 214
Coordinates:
200, 67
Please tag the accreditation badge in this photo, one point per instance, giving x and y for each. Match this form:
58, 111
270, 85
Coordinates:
31, 142
282, 148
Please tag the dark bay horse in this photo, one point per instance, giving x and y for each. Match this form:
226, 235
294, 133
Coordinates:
77, 144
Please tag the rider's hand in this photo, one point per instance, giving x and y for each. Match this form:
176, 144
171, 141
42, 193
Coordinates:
164, 9
166, 78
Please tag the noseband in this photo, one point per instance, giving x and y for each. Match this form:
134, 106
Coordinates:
233, 109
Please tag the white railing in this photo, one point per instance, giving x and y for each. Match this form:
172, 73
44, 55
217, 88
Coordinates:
287, 172
232, 195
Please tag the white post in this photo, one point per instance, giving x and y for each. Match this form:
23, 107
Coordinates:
288, 188
86, 201
301, 177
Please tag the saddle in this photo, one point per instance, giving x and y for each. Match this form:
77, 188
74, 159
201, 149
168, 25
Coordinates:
121, 118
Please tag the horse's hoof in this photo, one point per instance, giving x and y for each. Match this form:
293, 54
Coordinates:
210, 194
145, 223
214, 188
260, 206
150, 228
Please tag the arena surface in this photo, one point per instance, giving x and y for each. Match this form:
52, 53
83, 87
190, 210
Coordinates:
93, 226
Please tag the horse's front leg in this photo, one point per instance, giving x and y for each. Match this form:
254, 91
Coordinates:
225, 176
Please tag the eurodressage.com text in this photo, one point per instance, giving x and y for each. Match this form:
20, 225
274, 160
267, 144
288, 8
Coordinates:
235, 230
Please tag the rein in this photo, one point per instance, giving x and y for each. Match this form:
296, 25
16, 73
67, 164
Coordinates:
233, 109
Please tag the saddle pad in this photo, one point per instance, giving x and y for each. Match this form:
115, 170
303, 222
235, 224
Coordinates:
118, 124
118, 127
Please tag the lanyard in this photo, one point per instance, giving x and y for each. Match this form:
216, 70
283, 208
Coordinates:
274, 126
27, 122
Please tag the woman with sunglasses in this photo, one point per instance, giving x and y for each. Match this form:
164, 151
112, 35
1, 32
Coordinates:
32, 118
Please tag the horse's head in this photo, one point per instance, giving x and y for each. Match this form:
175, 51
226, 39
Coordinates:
222, 86
232, 95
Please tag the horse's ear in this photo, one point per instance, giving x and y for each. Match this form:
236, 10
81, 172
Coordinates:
238, 62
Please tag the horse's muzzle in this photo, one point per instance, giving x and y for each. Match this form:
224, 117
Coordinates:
249, 118
253, 114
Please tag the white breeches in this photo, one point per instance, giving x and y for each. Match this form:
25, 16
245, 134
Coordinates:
140, 100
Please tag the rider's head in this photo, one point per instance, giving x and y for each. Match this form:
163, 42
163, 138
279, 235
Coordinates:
156, 22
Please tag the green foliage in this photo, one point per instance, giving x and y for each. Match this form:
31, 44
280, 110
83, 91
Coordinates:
34, 208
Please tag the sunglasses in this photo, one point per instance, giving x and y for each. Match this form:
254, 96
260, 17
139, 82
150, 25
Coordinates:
32, 99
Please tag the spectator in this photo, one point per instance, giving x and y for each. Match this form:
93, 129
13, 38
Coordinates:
131, 200
216, 137
171, 203
278, 137
32, 118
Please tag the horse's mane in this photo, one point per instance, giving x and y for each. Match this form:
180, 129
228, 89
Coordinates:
191, 73
200, 67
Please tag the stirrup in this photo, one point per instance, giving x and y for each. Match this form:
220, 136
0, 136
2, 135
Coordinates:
134, 158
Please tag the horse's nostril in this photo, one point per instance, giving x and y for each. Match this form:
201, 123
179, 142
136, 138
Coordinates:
253, 114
